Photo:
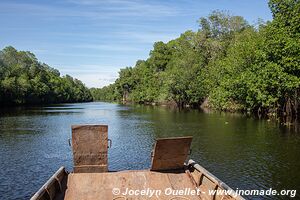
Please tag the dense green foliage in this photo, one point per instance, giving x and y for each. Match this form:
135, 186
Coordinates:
227, 63
24, 80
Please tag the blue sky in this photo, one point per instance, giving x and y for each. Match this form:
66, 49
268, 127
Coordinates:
92, 39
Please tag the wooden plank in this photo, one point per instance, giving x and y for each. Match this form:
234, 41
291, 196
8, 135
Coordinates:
170, 153
196, 175
90, 186
208, 181
157, 181
90, 168
54, 188
182, 181
90, 148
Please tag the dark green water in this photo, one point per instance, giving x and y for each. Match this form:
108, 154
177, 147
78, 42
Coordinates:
245, 153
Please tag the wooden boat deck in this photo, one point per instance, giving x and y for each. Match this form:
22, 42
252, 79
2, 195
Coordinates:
90, 179
90, 186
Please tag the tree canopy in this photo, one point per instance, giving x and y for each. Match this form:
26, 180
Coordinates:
228, 63
24, 80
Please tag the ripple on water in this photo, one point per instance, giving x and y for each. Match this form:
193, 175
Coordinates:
245, 153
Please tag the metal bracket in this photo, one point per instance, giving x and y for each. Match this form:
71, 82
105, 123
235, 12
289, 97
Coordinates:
110, 143
69, 141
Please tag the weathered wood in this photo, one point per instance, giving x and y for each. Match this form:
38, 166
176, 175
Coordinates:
197, 176
170, 153
90, 186
100, 185
54, 188
90, 148
91, 180
209, 182
90, 169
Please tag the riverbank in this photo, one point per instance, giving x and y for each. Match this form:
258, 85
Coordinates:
206, 108
26, 81
236, 148
236, 65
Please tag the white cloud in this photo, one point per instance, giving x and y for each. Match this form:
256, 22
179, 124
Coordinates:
150, 37
70, 54
94, 9
92, 75
107, 47
75, 35
130, 8
95, 79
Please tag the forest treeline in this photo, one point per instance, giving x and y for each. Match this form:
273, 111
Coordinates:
24, 80
227, 64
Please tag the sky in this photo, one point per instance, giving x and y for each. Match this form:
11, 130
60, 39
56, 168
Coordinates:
92, 39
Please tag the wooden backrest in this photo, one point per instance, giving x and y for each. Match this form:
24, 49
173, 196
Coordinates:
170, 153
90, 148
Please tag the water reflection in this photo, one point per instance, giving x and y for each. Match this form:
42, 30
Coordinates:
243, 152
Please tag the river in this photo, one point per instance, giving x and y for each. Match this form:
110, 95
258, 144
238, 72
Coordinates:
245, 153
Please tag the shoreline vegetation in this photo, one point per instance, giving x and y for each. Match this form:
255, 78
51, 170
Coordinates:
227, 65
26, 81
